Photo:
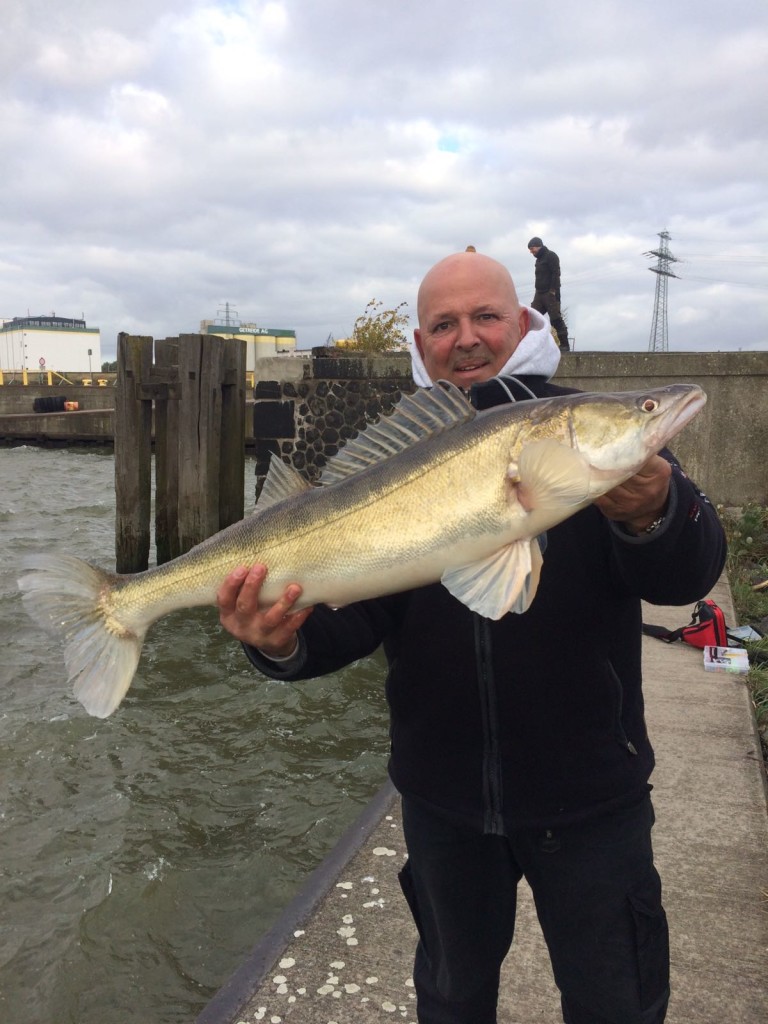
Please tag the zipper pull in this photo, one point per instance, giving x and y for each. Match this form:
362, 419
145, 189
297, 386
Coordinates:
550, 843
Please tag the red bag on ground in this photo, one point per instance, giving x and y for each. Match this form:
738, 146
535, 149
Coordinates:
707, 628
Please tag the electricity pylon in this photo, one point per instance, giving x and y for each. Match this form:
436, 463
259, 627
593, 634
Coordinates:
658, 340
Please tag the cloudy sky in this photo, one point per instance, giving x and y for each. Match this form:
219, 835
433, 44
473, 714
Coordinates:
297, 158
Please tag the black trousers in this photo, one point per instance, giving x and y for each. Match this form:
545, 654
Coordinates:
598, 899
546, 302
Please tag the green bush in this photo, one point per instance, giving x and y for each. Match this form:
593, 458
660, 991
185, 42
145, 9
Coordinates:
380, 330
747, 532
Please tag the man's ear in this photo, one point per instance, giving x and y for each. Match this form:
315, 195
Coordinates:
417, 339
524, 321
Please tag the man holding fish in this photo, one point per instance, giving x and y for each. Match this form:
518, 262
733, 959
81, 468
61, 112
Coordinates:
518, 740
496, 534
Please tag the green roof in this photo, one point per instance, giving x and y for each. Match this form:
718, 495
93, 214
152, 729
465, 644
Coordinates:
269, 332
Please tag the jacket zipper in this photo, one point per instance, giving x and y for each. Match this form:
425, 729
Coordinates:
624, 740
493, 821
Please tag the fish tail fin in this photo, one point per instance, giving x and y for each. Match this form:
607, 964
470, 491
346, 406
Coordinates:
70, 598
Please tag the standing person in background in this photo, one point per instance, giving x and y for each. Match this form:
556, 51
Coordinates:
547, 289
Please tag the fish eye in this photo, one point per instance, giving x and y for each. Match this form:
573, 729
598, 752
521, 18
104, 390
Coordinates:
649, 405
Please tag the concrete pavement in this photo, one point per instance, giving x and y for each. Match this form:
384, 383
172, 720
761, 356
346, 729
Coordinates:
342, 952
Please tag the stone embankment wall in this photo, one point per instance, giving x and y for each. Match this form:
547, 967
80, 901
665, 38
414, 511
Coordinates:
328, 399
305, 421
304, 408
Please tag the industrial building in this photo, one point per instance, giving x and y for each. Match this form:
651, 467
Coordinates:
40, 343
261, 342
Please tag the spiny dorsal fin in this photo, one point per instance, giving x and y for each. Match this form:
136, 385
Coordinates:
415, 418
282, 482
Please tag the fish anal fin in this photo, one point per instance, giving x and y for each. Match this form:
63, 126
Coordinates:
504, 582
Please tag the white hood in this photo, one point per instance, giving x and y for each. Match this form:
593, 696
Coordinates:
536, 355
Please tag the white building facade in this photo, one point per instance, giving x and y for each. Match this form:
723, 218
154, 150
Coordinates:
40, 343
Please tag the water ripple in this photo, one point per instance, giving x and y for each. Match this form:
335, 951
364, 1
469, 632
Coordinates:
142, 856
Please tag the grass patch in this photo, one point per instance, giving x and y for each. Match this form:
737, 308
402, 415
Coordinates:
747, 565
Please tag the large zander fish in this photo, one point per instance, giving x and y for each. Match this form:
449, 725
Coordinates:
436, 491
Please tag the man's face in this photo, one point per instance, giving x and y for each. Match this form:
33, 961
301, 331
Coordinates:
534, 250
470, 321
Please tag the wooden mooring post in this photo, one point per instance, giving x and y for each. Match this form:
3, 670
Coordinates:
192, 398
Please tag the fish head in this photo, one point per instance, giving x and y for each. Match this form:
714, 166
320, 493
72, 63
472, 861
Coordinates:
618, 433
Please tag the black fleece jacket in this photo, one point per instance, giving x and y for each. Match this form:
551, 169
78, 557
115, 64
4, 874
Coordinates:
535, 719
547, 272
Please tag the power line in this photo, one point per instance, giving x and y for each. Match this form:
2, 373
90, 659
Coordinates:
723, 280
724, 257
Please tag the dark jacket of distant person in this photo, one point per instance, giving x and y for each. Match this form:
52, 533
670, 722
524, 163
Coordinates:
547, 272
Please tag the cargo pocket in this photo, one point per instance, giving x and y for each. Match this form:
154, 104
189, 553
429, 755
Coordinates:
651, 941
409, 891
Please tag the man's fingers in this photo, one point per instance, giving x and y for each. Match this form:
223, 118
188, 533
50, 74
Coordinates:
228, 591
239, 591
656, 465
283, 607
253, 581
270, 629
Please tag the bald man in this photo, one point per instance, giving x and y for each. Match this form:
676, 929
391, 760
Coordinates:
519, 745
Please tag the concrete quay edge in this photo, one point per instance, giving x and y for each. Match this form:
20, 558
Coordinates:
341, 953
243, 985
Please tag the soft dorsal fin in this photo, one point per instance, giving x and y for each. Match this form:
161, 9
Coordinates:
282, 482
415, 418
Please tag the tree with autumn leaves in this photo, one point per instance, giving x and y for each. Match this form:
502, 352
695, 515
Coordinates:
379, 330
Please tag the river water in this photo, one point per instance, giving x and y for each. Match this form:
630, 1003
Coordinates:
143, 855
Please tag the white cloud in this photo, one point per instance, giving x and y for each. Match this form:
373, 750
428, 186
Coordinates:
97, 56
299, 158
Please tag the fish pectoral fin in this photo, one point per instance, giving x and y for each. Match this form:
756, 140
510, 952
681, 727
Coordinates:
282, 481
504, 582
550, 475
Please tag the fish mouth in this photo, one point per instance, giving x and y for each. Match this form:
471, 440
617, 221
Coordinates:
683, 402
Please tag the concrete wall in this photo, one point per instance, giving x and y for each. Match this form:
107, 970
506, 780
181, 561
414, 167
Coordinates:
96, 427
92, 424
306, 407
17, 399
724, 449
